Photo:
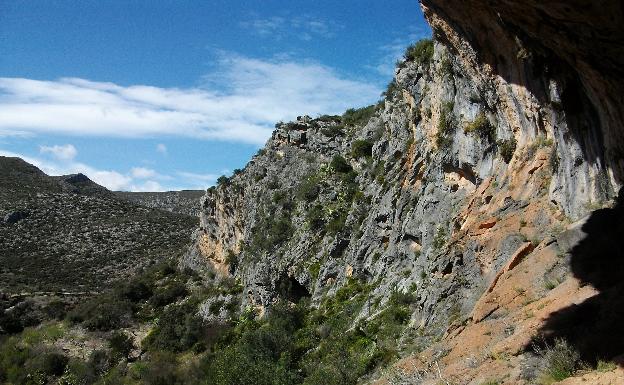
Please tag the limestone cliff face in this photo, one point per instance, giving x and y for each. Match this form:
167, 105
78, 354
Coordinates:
457, 187
557, 69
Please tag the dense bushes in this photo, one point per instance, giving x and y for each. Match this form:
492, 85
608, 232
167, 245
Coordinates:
269, 233
291, 345
21, 364
259, 352
177, 330
300, 345
128, 300
106, 312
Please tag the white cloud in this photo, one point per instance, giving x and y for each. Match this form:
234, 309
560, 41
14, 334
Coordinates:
191, 176
142, 172
305, 27
149, 185
161, 148
65, 152
240, 101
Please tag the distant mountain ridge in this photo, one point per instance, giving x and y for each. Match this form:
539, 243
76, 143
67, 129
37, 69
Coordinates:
67, 233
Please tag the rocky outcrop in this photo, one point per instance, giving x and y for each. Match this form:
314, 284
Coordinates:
490, 142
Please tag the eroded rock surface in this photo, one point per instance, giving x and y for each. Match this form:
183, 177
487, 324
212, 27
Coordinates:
457, 188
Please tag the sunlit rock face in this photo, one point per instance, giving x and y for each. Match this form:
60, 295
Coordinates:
491, 141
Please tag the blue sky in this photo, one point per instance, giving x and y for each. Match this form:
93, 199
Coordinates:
160, 95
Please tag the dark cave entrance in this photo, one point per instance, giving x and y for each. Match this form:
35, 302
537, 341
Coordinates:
290, 289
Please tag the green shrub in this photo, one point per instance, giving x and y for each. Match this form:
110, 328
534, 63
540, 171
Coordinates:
56, 309
168, 294
379, 171
178, 329
553, 160
309, 189
340, 165
223, 181
273, 183
439, 239
161, 369
333, 131
103, 313
358, 116
605, 366
316, 218
420, 52
559, 361
49, 363
507, 148
330, 118
336, 223
216, 306
481, 126
445, 126
446, 66
282, 198
231, 259
136, 290
120, 344
270, 232
361, 148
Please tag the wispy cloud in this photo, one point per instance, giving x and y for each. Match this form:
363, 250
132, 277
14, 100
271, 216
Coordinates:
305, 27
240, 101
392, 51
64, 152
209, 178
161, 148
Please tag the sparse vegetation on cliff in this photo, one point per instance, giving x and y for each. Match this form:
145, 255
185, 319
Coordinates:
507, 147
445, 126
420, 52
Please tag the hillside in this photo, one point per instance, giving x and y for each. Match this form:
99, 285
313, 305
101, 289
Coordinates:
181, 202
70, 234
